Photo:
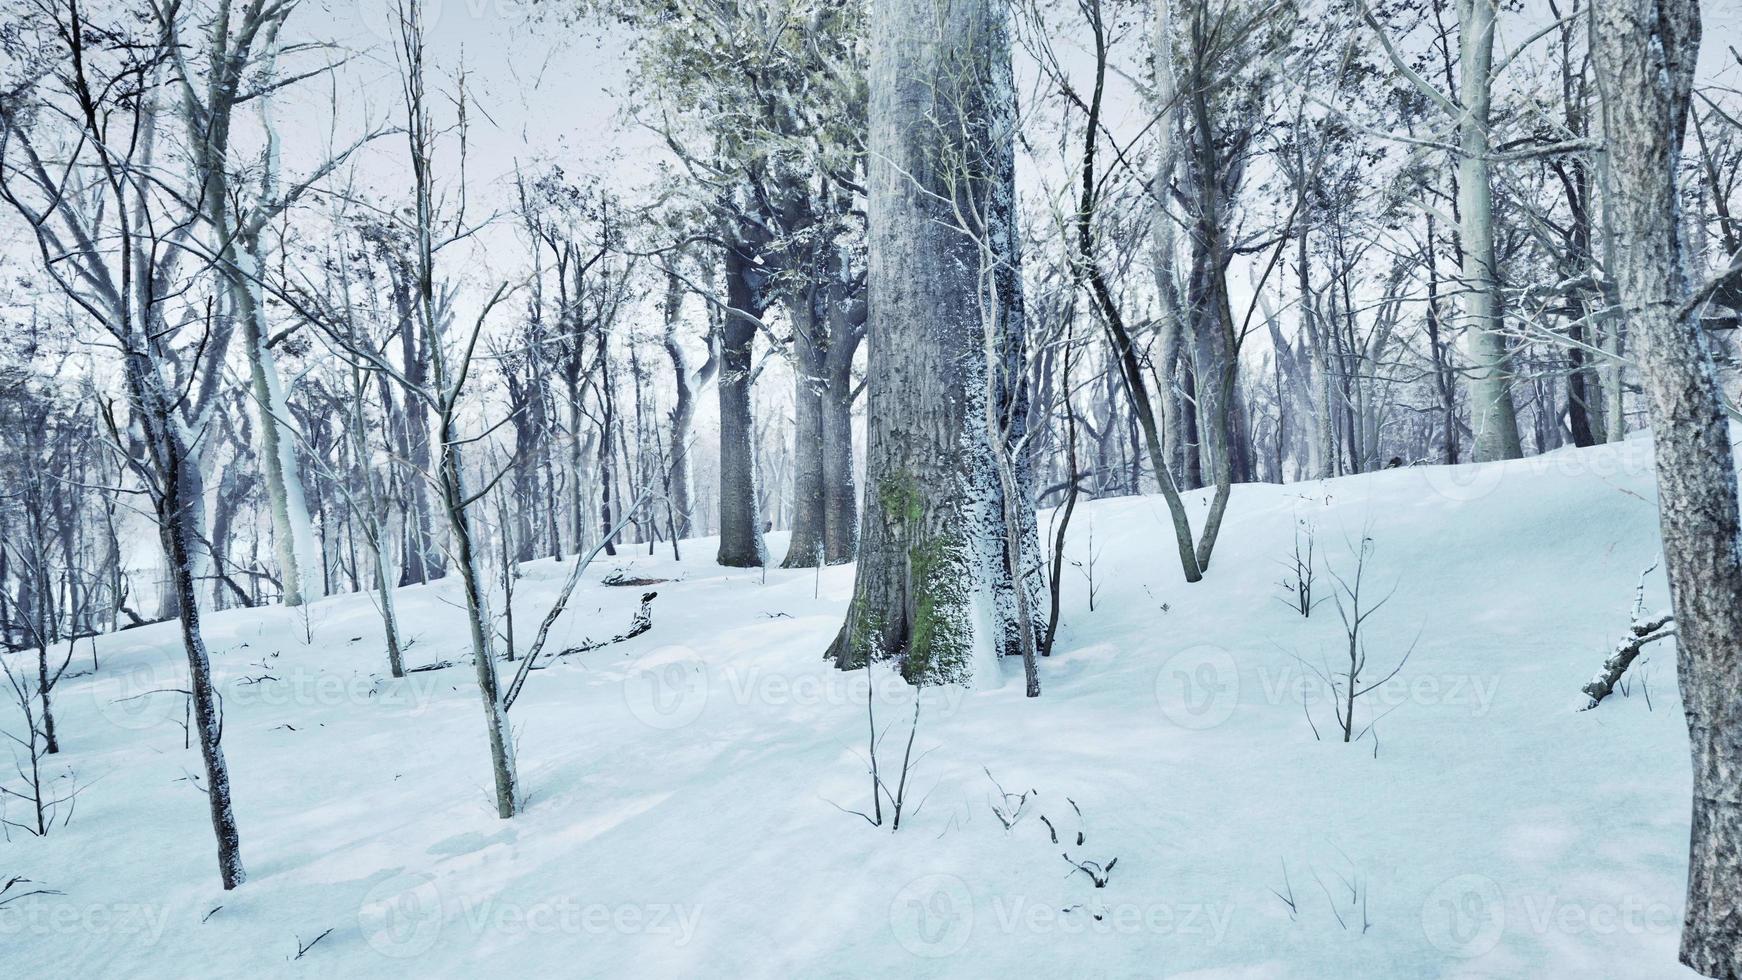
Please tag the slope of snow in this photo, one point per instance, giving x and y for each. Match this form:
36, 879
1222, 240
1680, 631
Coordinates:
687, 787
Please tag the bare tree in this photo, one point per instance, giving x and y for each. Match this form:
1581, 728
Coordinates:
114, 272
1645, 53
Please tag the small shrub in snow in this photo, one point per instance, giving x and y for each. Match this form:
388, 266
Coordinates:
1298, 581
1349, 681
46, 796
880, 791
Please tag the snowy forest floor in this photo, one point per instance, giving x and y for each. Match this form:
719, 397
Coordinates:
686, 787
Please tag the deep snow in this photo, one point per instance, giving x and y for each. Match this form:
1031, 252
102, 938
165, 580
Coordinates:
687, 787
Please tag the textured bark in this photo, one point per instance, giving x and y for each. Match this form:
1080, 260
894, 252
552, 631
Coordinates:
180, 508
809, 500
1492, 415
483, 633
1645, 51
1164, 235
740, 521
941, 182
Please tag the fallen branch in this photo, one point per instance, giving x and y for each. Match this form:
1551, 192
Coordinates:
562, 602
1640, 632
642, 622
621, 577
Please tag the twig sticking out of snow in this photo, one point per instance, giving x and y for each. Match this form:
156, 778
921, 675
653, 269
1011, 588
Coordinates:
879, 788
9, 892
1287, 894
1097, 874
1010, 808
301, 949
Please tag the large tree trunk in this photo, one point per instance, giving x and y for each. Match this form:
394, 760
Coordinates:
941, 184
740, 511
805, 548
1492, 415
1647, 50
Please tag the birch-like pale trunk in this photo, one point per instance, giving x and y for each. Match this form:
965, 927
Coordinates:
1164, 235
683, 412
1645, 53
1493, 418
235, 221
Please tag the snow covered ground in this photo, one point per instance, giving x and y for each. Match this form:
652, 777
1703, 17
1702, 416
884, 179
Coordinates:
687, 787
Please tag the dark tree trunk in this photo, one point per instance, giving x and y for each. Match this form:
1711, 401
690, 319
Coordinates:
740, 511
809, 497
179, 505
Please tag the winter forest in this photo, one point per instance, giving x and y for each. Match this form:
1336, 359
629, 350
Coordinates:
1092, 488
